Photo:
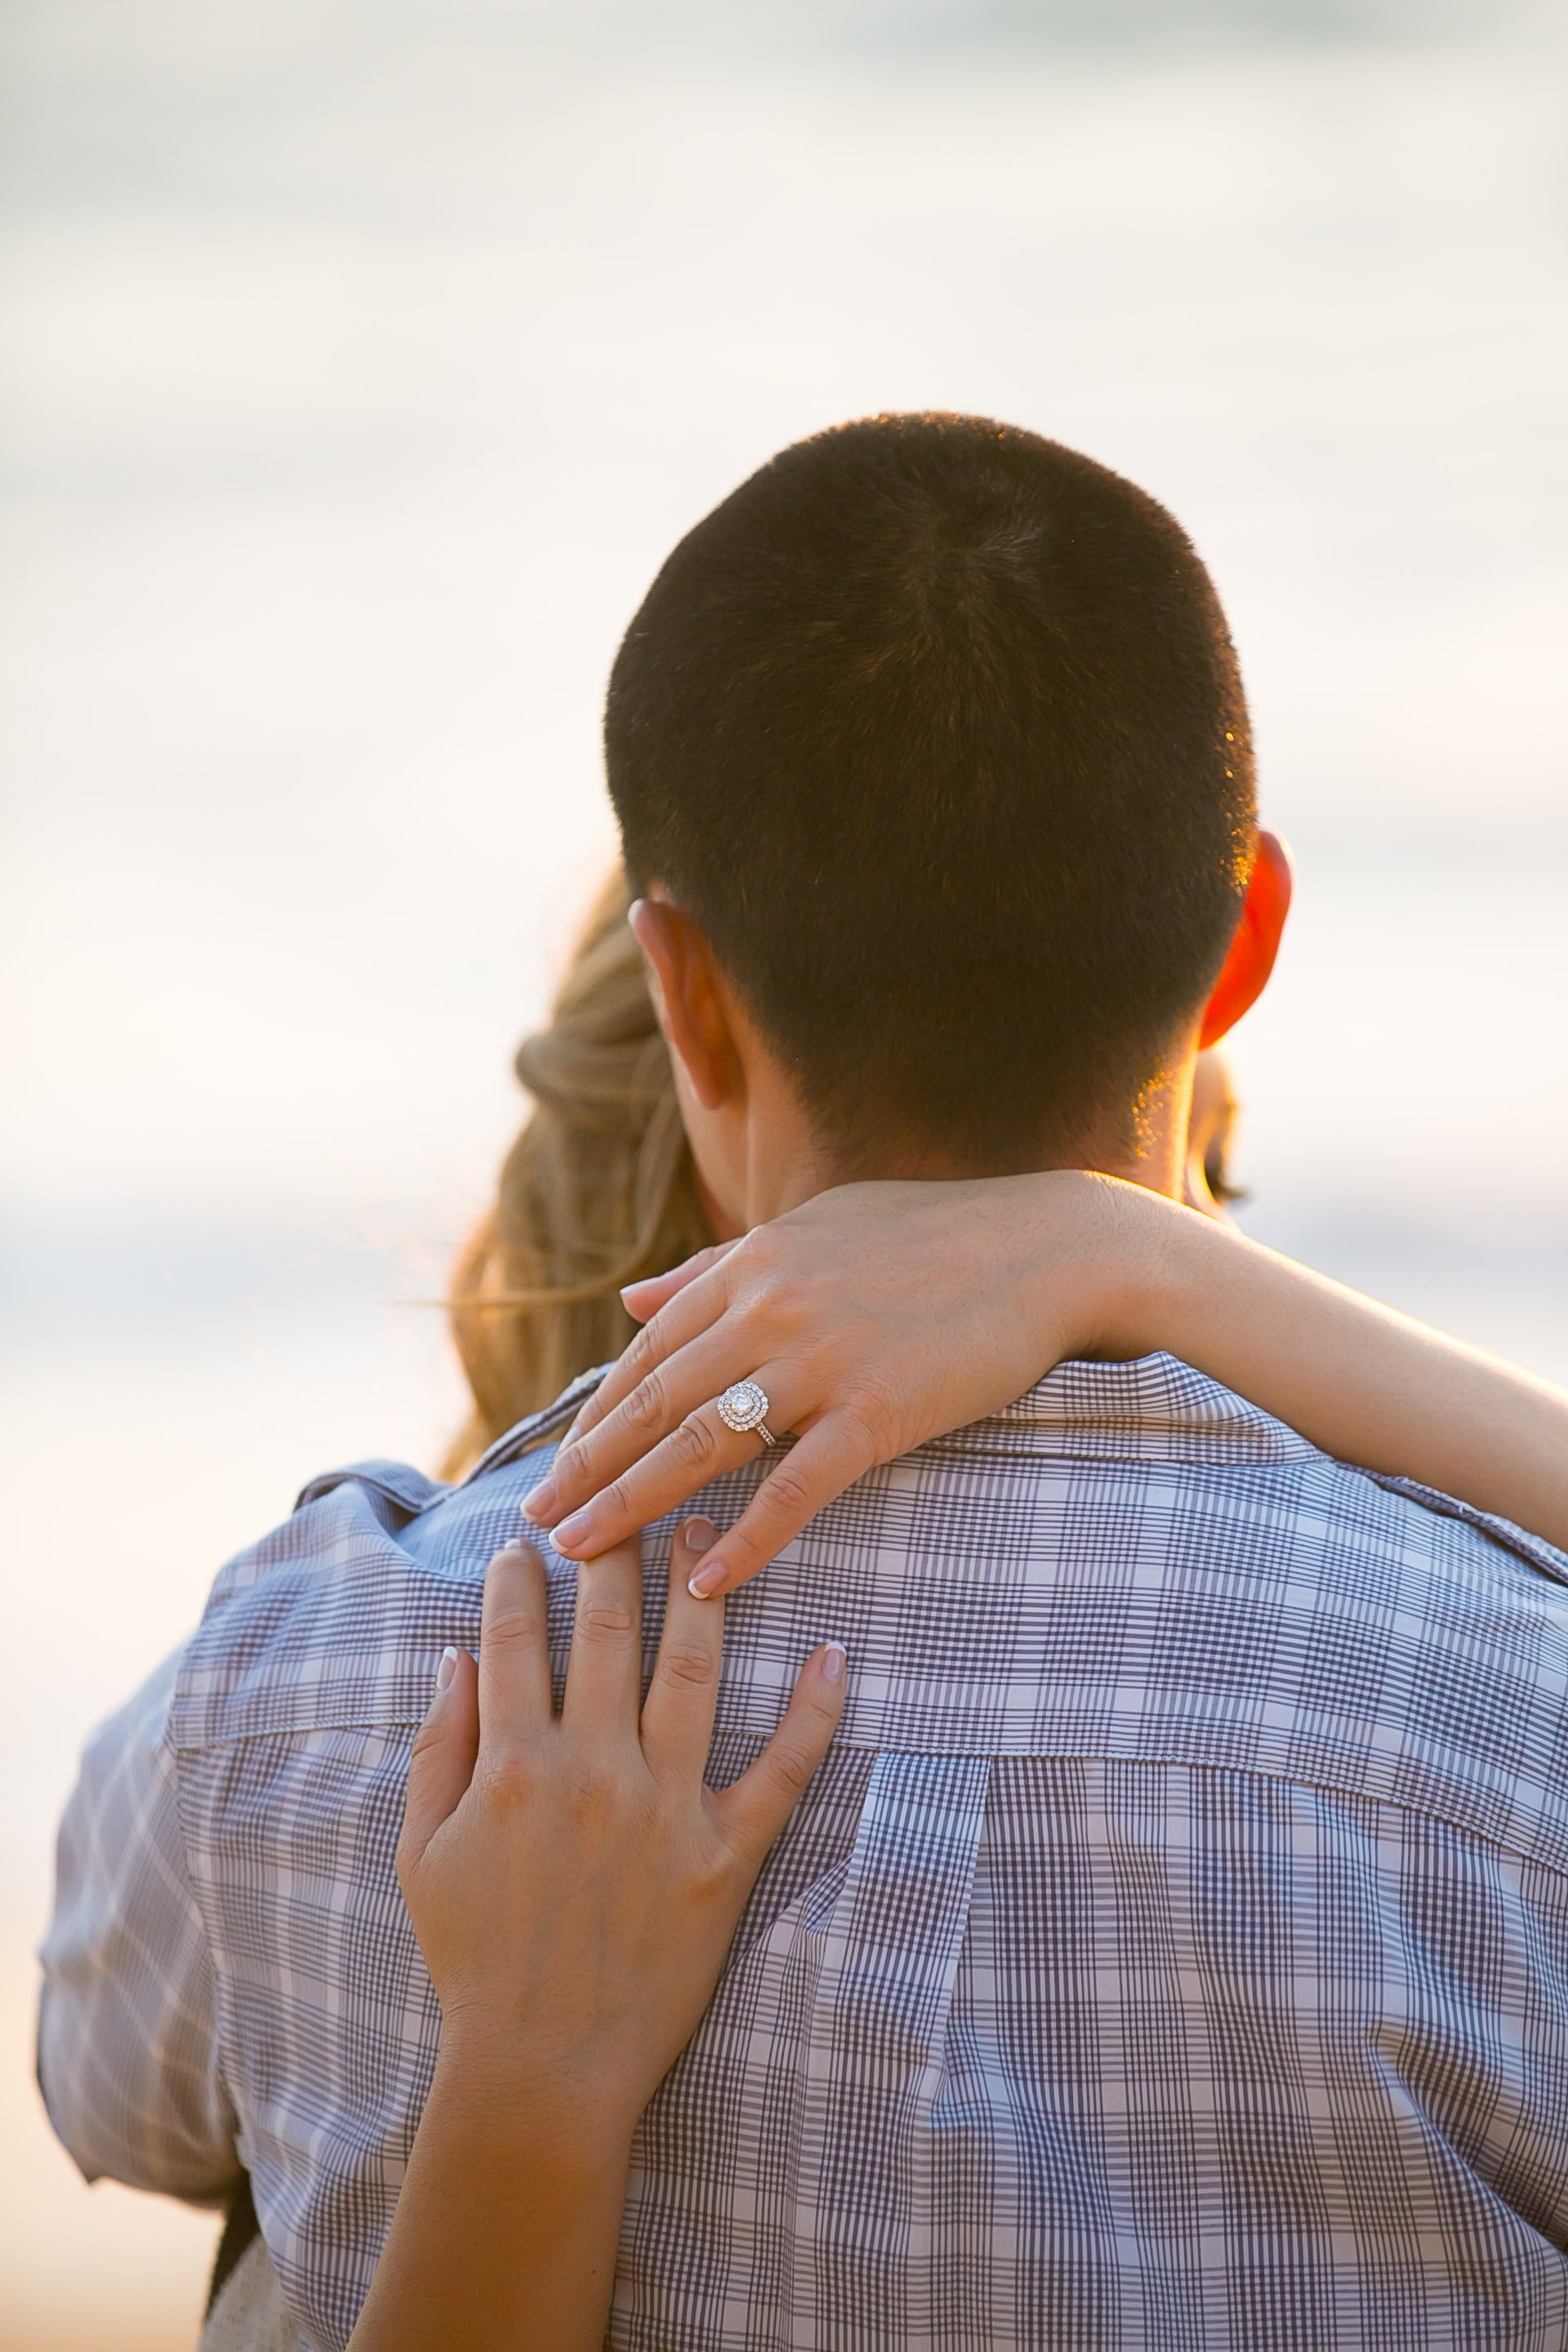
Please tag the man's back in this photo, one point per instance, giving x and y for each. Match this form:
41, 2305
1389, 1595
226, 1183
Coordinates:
1172, 1950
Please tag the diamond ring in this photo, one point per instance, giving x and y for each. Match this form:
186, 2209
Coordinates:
745, 1406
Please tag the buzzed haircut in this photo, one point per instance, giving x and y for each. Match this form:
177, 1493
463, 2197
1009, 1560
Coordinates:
935, 729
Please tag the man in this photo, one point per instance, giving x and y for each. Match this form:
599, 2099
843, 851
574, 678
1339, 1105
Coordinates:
1170, 1951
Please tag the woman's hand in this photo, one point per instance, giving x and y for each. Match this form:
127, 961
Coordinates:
573, 1880
873, 1316
880, 1314
574, 1886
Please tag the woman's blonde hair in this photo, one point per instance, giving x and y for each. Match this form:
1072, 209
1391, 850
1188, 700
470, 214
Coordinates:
599, 1189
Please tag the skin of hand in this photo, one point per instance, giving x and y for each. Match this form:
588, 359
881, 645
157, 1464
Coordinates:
574, 1886
867, 1359
861, 1356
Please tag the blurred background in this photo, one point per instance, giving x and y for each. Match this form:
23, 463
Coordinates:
362, 359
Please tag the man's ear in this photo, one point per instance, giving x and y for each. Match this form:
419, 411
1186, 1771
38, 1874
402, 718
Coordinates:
690, 1004
1245, 974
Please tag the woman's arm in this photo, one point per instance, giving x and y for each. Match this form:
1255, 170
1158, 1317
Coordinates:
1362, 1381
877, 1315
574, 1887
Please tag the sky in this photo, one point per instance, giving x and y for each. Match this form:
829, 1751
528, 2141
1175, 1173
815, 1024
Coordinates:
358, 366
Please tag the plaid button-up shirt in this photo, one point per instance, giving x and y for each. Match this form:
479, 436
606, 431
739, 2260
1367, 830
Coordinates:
1172, 1950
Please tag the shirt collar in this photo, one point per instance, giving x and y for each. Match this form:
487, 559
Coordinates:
1153, 1409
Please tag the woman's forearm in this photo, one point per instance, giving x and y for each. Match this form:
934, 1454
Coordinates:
505, 2233
887, 1314
1361, 1381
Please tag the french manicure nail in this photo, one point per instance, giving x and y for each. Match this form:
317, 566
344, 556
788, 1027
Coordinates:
447, 1669
699, 1536
575, 1530
706, 1581
538, 1506
833, 1660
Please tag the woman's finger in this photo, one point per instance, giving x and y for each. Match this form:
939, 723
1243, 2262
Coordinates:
690, 1311
643, 1299
514, 1694
678, 1713
442, 1764
603, 1674
694, 1375
753, 1809
700, 1449
834, 1452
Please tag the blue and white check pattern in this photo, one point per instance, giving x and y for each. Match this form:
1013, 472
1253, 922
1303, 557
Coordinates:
1172, 1953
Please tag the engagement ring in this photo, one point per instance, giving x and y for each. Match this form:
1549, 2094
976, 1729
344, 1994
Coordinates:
745, 1406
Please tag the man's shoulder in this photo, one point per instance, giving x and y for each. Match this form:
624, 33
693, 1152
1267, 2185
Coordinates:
338, 1616
1130, 1562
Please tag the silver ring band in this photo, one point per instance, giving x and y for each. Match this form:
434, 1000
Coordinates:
745, 1407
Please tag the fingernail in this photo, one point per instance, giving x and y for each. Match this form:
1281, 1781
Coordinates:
575, 1530
833, 1660
447, 1669
707, 1580
699, 1536
538, 1506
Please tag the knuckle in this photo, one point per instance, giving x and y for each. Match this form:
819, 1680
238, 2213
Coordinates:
743, 1270
593, 1795
570, 1464
711, 1876
762, 1271
743, 1548
606, 1621
590, 1411
645, 1408
824, 1712
503, 1779
788, 1492
425, 1739
693, 1667
792, 1309
868, 1421
764, 1244
516, 1632
879, 1397
694, 1443
790, 1770
642, 1349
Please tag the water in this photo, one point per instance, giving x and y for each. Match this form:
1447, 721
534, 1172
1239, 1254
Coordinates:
359, 366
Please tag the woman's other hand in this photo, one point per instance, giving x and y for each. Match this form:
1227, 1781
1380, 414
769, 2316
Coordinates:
574, 1886
873, 1316
572, 1880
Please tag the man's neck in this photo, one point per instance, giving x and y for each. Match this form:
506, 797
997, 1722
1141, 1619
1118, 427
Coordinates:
786, 1166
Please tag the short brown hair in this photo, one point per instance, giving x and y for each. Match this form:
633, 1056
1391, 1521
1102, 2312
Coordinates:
935, 729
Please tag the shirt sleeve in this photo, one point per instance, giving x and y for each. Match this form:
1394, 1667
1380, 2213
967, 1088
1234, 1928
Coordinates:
128, 2047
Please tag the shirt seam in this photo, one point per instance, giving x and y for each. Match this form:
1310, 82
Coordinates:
991, 1757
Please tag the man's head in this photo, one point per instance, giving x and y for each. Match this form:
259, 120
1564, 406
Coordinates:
934, 734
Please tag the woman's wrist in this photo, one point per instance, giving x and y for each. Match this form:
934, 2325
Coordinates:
506, 2227
1131, 1280
522, 2104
